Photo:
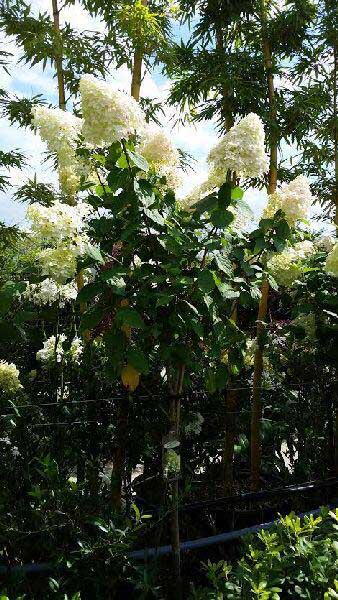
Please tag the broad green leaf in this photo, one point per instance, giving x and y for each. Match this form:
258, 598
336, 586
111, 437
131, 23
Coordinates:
205, 281
94, 253
138, 160
91, 318
129, 316
237, 193
224, 195
154, 215
89, 291
138, 360
221, 218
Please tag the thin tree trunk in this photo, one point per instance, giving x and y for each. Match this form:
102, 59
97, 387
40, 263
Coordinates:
119, 452
226, 110
58, 56
256, 414
174, 418
335, 119
136, 76
231, 404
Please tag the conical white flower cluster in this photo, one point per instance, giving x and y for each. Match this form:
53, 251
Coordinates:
109, 115
331, 265
63, 227
286, 267
9, 377
161, 154
60, 130
294, 199
241, 150
53, 350
48, 291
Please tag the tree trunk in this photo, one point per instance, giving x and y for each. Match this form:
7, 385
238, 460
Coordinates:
174, 418
226, 111
119, 452
136, 76
256, 415
256, 412
335, 119
58, 56
231, 404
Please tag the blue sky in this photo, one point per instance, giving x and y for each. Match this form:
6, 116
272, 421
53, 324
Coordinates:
28, 81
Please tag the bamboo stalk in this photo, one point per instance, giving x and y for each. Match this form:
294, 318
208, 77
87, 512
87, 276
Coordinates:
58, 56
136, 76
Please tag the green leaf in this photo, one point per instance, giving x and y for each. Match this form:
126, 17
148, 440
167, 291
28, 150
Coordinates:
223, 263
205, 281
226, 290
154, 215
129, 316
237, 193
138, 360
144, 191
91, 318
221, 218
224, 195
221, 377
94, 253
205, 204
138, 160
89, 291
10, 333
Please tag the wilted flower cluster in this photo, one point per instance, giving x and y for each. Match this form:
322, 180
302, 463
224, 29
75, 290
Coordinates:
331, 265
9, 377
294, 199
306, 322
109, 115
48, 292
325, 243
53, 350
60, 129
241, 150
194, 427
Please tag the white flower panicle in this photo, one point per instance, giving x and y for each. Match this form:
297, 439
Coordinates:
109, 115
48, 292
286, 267
294, 199
157, 148
331, 265
59, 263
59, 221
64, 228
53, 350
241, 150
9, 377
60, 129
76, 350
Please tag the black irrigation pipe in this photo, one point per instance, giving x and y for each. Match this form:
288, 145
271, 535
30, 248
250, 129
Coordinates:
212, 540
263, 494
146, 553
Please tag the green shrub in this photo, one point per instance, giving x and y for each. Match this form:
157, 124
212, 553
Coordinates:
298, 558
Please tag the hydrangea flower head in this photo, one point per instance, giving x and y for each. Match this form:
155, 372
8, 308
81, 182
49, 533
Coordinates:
241, 150
331, 265
109, 115
60, 129
294, 199
9, 377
